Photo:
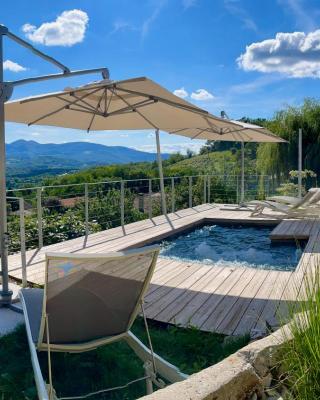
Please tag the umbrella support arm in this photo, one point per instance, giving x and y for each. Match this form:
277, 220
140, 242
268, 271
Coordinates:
6, 89
163, 194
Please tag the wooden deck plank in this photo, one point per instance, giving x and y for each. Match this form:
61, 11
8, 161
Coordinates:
168, 313
207, 307
224, 299
256, 306
231, 321
222, 309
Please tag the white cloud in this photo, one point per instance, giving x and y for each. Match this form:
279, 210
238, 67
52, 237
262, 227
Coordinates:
9, 65
294, 54
201, 95
181, 93
171, 147
68, 29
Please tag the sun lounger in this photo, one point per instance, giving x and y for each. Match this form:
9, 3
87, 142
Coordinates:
308, 206
89, 301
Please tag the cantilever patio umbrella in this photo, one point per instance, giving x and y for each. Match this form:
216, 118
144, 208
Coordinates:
244, 133
131, 104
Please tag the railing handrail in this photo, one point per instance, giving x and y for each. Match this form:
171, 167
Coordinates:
42, 187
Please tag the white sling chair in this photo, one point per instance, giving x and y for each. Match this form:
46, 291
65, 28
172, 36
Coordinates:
88, 301
307, 206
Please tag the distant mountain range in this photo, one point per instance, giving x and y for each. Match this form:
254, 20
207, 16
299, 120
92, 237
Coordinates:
27, 157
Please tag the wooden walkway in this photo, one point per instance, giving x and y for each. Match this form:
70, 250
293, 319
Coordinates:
222, 299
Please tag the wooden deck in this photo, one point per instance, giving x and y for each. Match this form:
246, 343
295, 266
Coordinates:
222, 299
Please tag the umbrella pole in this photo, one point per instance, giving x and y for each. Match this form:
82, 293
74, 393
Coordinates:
163, 195
5, 293
300, 164
242, 173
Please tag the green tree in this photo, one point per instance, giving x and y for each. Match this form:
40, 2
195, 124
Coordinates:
279, 159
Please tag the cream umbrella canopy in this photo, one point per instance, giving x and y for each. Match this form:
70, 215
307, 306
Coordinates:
131, 104
240, 132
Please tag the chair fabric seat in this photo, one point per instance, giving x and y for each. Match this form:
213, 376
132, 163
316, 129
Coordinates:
33, 299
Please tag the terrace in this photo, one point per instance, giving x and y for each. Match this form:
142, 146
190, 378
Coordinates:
222, 299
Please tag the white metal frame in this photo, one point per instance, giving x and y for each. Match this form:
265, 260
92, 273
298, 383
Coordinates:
165, 369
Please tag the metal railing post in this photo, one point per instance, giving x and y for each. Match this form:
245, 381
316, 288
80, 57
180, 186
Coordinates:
122, 203
237, 189
23, 242
86, 208
268, 186
172, 195
150, 198
204, 189
209, 189
190, 191
39, 217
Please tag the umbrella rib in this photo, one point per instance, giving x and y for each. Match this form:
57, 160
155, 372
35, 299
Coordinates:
141, 115
85, 111
83, 101
212, 126
161, 99
108, 105
60, 109
177, 131
132, 107
95, 112
89, 109
105, 100
199, 133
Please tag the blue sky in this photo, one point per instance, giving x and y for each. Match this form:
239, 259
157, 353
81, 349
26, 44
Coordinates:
246, 57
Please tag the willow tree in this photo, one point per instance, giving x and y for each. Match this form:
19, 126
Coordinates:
279, 159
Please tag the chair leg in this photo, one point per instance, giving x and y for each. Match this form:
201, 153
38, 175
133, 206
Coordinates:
168, 371
40, 383
148, 369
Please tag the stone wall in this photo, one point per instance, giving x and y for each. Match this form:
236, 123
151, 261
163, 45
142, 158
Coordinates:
244, 375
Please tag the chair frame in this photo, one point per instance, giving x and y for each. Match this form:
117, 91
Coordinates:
165, 369
307, 206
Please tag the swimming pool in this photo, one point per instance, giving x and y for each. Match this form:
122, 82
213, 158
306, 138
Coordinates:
236, 245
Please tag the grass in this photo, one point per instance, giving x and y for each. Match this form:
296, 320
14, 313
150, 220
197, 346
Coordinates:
73, 374
301, 356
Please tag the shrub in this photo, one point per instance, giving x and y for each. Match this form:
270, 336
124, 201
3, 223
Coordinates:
301, 355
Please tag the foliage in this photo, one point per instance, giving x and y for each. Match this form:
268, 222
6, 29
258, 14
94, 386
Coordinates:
304, 174
301, 355
56, 228
280, 158
291, 188
108, 366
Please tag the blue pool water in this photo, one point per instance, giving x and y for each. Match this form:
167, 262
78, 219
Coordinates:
241, 246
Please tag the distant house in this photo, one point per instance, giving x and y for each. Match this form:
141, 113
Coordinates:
70, 202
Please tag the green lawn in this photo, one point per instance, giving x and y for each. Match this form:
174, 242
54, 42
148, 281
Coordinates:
189, 349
